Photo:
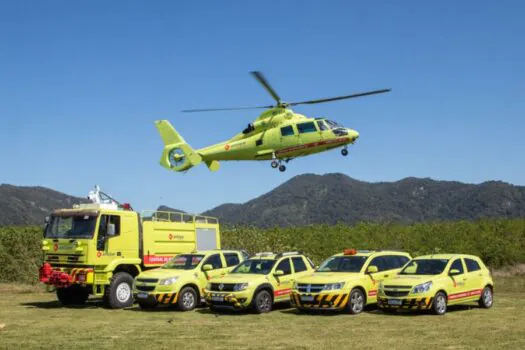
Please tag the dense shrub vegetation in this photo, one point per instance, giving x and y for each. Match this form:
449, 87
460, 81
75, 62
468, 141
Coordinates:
498, 242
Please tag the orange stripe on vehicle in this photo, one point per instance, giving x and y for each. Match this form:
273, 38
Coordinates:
312, 144
167, 298
466, 294
279, 293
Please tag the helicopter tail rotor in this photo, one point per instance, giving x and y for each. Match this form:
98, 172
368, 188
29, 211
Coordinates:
177, 154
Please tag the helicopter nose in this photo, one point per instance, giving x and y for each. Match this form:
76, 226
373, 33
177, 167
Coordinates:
354, 135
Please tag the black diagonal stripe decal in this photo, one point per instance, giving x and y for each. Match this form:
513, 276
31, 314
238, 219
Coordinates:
341, 300
172, 298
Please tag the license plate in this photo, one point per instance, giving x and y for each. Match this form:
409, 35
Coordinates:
142, 295
217, 298
395, 302
307, 298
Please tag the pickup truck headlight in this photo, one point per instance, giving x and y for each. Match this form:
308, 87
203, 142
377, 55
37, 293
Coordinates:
333, 286
240, 286
208, 286
168, 281
422, 288
380, 286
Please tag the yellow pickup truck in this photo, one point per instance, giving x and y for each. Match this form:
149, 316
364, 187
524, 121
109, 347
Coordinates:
181, 280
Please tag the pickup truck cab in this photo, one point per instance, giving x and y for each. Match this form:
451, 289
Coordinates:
181, 280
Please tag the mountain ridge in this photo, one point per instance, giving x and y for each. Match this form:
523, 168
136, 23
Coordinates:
318, 199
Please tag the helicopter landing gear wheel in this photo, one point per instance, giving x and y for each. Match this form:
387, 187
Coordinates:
275, 164
282, 168
344, 152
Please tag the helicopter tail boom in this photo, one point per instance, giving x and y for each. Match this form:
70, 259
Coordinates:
177, 154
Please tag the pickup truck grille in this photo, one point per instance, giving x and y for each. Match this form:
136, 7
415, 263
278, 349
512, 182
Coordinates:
310, 288
226, 287
391, 293
145, 288
147, 280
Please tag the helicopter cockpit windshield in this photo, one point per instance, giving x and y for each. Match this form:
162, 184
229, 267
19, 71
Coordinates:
337, 128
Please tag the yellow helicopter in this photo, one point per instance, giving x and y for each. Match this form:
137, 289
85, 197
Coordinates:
278, 134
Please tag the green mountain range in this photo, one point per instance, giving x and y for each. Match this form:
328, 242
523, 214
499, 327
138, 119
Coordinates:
313, 199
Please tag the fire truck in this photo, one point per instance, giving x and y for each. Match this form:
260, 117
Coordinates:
98, 248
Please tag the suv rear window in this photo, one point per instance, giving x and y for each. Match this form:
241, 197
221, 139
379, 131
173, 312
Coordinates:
232, 259
472, 265
298, 264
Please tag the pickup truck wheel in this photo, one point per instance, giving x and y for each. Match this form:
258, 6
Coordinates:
187, 299
487, 298
439, 305
118, 294
73, 295
262, 302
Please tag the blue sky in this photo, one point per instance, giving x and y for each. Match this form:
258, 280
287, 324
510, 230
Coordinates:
81, 83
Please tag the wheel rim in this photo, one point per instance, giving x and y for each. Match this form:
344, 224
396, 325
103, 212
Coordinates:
123, 292
356, 302
265, 302
487, 297
188, 300
441, 304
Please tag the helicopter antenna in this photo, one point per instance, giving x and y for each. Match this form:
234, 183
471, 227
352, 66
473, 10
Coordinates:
280, 103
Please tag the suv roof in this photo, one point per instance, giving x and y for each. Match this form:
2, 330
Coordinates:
447, 256
275, 256
370, 252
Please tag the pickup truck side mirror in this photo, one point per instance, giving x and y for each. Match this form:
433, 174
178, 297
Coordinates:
207, 267
278, 273
372, 269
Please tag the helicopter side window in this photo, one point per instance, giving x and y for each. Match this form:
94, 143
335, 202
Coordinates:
287, 131
321, 125
306, 127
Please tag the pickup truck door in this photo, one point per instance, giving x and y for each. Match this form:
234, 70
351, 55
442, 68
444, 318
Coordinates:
285, 282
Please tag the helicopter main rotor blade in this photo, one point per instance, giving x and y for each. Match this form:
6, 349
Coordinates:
323, 100
224, 109
261, 79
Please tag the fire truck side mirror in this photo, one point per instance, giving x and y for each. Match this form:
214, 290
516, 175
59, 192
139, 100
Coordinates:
111, 230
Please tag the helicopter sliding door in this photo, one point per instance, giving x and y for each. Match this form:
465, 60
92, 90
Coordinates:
309, 136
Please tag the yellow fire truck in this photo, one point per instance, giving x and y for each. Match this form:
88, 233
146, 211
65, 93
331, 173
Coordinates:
98, 248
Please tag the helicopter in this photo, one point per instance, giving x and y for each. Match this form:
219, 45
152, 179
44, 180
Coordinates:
278, 134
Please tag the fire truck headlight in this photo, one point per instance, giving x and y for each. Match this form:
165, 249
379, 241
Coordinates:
168, 281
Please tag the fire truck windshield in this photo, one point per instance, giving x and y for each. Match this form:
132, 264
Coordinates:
76, 226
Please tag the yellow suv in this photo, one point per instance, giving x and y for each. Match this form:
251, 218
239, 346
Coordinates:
347, 281
259, 282
181, 280
436, 281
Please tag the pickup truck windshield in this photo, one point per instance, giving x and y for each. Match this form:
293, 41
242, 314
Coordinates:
183, 262
342, 264
425, 267
257, 266
75, 226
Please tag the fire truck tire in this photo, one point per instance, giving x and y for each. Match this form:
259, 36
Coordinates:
118, 294
73, 295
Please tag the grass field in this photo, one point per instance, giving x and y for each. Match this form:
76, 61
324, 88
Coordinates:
30, 318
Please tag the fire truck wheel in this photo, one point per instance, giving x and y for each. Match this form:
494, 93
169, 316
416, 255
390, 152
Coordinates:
73, 295
187, 299
118, 294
